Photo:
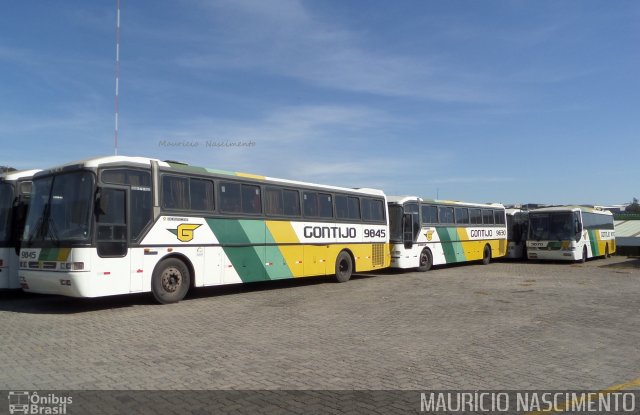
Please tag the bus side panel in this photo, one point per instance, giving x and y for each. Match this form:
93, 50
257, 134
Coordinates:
289, 249
598, 242
243, 242
315, 259
472, 250
451, 246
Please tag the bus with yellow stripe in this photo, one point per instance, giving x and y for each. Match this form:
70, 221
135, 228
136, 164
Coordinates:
15, 192
118, 225
426, 232
570, 233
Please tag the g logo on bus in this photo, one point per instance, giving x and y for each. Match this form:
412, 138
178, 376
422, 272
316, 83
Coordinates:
429, 235
184, 231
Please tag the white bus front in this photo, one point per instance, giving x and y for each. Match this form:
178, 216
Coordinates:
555, 236
56, 252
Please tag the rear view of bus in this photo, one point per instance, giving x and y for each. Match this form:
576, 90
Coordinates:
15, 189
570, 233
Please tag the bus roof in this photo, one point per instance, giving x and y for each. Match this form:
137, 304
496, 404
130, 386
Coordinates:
18, 174
571, 208
515, 211
186, 168
404, 199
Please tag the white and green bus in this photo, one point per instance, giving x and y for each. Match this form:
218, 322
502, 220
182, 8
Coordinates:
117, 225
570, 233
425, 232
15, 191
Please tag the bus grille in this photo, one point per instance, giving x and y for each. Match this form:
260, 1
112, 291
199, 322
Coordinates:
377, 255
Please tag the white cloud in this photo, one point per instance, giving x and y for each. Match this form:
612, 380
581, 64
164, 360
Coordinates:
285, 38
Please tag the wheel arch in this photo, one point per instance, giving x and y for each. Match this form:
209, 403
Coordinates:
353, 258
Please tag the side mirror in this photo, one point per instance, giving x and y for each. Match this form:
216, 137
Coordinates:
578, 227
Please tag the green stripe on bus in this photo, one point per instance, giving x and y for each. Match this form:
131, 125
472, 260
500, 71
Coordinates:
278, 267
595, 249
48, 254
200, 170
248, 261
450, 245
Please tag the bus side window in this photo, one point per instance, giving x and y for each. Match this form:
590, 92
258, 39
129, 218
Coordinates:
291, 199
429, 214
230, 200
487, 216
175, 192
310, 204
273, 201
201, 194
251, 200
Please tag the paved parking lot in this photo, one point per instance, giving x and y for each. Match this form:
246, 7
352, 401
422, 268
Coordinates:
508, 325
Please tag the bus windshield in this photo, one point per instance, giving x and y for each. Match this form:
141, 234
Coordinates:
6, 203
60, 208
552, 227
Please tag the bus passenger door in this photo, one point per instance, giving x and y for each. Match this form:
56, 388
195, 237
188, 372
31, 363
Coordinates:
112, 235
410, 229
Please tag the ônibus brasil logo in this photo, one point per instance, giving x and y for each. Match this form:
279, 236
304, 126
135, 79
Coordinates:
23, 402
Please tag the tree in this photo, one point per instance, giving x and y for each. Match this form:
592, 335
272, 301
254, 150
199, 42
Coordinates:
634, 207
6, 169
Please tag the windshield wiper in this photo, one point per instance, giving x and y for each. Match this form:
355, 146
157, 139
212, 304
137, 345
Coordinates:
39, 226
52, 231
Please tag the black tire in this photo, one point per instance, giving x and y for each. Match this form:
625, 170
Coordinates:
344, 267
486, 255
425, 261
170, 281
606, 252
584, 255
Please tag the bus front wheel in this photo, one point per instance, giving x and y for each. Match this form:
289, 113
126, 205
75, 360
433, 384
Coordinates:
584, 255
344, 267
426, 260
170, 281
486, 255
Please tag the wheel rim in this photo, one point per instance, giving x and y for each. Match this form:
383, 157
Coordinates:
424, 258
171, 279
343, 266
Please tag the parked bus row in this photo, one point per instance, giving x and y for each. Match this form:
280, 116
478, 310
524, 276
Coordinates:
117, 225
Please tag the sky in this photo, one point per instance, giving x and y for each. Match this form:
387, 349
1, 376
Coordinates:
480, 101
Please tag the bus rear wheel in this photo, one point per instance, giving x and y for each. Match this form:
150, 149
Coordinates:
426, 260
486, 255
344, 267
170, 281
606, 252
